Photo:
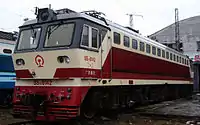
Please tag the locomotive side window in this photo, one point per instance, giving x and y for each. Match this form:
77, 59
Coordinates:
148, 48
141, 46
90, 37
134, 44
158, 52
126, 41
182, 60
167, 55
177, 58
170, 56
163, 53
94, 38
174, 57
85, 36
116, 38
153, 50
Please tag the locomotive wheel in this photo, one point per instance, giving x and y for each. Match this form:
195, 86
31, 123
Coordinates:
90, 113
92, 105
77, 121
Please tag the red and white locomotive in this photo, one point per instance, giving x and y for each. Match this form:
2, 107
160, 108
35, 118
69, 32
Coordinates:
71, 64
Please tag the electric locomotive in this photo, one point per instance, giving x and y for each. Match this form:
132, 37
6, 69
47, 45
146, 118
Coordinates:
71, 64
7, 73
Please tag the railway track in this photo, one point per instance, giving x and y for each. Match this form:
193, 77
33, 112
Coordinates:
146, 115
124, 119
24, 123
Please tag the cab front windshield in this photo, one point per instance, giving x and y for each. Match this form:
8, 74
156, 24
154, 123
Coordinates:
29, 38
59, 35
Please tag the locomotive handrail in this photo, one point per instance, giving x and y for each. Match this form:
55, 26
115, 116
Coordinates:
25, 122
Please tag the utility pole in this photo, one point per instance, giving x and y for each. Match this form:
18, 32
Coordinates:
177, 34
131, 19
49, 6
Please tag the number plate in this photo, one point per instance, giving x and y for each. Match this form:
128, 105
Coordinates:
43, 82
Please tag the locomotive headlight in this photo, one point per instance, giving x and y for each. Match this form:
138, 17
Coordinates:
69, 90
20, 62
63, 59
17, 88
68, 97
60, 59
67, 59
17, 95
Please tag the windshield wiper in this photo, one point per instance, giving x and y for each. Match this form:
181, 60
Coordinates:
51, 30
33, 33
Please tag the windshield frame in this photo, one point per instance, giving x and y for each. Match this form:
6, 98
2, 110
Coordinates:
30, 27
59, 23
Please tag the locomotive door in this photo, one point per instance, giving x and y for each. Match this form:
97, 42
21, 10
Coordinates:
99, 58
106, 54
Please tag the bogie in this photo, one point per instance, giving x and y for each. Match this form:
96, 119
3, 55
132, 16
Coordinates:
118, 97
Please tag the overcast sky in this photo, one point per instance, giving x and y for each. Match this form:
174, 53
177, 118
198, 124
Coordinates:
157, 14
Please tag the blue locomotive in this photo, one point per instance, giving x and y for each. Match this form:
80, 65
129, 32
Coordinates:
7, 73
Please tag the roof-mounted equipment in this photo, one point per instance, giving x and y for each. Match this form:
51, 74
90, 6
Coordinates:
96, 14
136, 31
64, 11
45, 14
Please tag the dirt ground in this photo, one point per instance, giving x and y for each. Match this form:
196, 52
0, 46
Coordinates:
6, 118
180, 107
149, 121
141, 120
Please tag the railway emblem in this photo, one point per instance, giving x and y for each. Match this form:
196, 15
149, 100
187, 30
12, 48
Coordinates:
39, 60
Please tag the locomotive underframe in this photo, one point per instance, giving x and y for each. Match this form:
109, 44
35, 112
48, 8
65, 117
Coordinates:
92, 100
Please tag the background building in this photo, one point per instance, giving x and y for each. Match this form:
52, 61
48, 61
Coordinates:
8, 36
189, 36
7, 41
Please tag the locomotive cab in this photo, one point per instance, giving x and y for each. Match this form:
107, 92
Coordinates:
68, 42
